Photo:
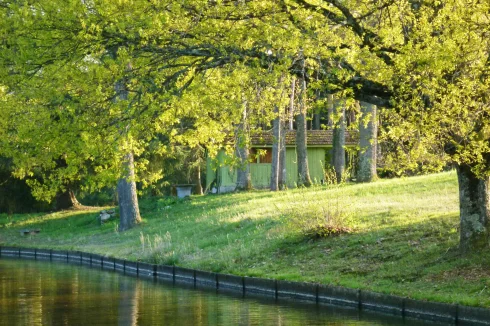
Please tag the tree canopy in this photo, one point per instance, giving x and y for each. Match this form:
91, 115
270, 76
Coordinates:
62, 62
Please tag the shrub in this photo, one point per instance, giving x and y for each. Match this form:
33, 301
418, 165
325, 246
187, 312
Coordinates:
316, 222
332, 224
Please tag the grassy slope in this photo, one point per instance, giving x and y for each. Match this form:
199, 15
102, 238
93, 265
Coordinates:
404, 241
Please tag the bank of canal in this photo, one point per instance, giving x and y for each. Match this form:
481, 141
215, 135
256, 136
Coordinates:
48, 293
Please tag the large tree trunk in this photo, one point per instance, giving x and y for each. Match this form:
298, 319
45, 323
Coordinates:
301, 147
244, 180
368, 138
474, 210
282, 157
276, 145
301, 151
129, 213
277, 130
338, 150
66, 200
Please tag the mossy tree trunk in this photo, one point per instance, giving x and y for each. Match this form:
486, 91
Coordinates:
276, 153
474, 210
282, 157
368, 139
129, 213
301, 151
338, 146
244, 180
301, 146
277, 131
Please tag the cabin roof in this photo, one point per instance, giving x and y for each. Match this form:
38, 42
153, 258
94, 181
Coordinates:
313, 138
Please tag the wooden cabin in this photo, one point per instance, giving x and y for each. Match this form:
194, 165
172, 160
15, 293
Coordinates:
221, 177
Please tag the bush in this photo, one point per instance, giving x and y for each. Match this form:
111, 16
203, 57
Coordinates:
331, 226
315, 222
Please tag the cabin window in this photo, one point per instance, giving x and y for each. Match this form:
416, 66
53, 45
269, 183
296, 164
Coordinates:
261, 155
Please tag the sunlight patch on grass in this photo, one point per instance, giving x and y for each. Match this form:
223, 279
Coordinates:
404, 237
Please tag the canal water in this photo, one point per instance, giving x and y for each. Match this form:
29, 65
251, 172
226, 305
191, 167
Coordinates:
45, 293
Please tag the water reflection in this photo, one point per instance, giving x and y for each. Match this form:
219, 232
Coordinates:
43, 293
128, 302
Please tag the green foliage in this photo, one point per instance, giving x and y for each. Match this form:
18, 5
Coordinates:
15, 195
330, 175
187, 68
103, 197
62, 121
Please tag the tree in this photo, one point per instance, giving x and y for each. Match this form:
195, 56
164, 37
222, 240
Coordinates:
67, 200
301, 146
278, 145
15, 194
278, 169
244, 179
86, 48
282, 182
127, 196
368, 132
65, 92
276, 150
338, 146
129, 213
431, 65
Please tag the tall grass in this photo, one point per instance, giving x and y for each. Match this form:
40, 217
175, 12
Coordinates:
313, 221
160, 250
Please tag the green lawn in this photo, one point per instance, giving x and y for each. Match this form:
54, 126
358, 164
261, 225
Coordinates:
403, 239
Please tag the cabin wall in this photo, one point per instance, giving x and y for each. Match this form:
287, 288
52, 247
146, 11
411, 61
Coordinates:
291, 167
316, 164
261, 172
227, 175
